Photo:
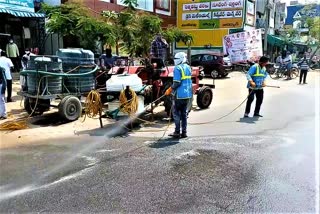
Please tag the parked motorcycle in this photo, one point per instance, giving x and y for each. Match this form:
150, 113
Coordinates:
314, 64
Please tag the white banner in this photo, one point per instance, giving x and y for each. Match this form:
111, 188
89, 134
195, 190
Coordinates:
227, 14
196, 16
227, 4
196, 6
243, 46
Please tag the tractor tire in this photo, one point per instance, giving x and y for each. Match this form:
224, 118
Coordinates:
204, 97
70, 108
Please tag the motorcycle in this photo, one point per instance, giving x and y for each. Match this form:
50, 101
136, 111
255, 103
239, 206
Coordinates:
314, 64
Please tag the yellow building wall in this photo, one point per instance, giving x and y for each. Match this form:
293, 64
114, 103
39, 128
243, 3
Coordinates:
207, 31
205, 37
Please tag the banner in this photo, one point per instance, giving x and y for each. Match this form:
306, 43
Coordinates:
243, 46
214, 14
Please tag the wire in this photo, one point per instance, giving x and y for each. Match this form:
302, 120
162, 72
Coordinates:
212, 121
92, 105
128, 106
22, 123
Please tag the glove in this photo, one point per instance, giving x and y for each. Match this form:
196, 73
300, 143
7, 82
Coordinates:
168, 91
252, 84
263, 84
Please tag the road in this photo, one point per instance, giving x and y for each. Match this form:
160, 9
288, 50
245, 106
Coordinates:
235, 164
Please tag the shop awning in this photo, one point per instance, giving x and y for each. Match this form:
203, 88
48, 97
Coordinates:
22, 14
275, 41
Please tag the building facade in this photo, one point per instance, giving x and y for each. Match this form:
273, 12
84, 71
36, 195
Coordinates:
209, 21
20, 22
165, 9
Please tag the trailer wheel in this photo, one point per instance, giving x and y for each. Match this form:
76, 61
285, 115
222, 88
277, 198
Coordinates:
204, 97
70, 108
29, 105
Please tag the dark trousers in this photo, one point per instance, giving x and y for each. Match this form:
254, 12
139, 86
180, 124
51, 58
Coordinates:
259, 97
9, 89
15, 62
180, 114
303, 74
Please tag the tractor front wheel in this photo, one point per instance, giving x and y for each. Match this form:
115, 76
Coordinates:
204, 97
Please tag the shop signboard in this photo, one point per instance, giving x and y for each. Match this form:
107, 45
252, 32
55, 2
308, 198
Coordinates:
214, 14
243, 46
17, 5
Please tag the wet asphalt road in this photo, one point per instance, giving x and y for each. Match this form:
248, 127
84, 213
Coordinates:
234, 165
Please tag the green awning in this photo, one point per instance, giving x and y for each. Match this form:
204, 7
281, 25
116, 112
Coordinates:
275, 41
21, 13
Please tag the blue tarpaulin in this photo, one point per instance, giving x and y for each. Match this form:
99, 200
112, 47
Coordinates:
22, 14
19, 8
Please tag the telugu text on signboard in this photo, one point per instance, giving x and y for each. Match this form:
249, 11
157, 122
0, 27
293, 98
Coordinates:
210, 14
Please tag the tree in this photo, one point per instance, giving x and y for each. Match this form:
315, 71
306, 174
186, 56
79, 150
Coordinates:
314, 30
131, 4
174, 34
135, 31
77, 20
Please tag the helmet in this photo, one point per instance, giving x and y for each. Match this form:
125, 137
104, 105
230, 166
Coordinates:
180, 58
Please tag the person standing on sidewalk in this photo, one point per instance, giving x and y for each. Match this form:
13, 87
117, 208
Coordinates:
3, 112
13, 54
7, 64
182, 93
304, 68
256, 81
26, 58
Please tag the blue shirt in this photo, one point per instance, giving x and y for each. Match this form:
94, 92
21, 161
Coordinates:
182, 81
159, 49
108, 61
257, 75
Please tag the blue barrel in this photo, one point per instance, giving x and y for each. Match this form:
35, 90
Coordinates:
47, 85
71, 60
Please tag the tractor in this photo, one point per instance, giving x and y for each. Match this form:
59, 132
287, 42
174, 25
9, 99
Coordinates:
155, 78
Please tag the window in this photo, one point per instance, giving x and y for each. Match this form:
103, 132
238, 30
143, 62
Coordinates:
146, 5
163, 5
207, 58
195, 58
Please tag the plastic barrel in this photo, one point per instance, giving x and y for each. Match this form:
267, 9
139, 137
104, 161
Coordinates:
49, 84
71, 60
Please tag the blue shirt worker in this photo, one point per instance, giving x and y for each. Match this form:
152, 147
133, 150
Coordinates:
181, 90
256, 81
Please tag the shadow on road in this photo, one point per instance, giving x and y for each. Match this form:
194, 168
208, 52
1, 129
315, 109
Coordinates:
164, 143
123, 126
110, 130
49, 119
250, 120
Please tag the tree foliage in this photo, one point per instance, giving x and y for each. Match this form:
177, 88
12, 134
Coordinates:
314, 28
131, 29
77, 20
174, 34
